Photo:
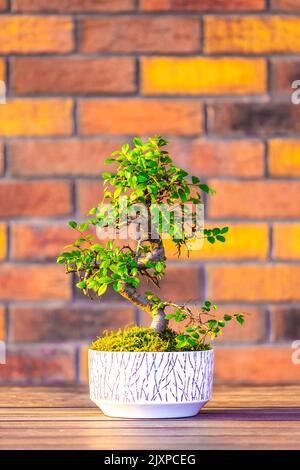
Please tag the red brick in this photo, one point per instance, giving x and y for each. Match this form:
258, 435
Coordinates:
112, 116
284, 72
2, 324
73, 75
60, 157
253, 119
34, 282
38, 365
35, 34
285, 323
72, 6
1, 158
255, 199
250, 282
140, 34
89, 194
70, 323
240, 158
202, 5
36, 117
289, 5
39, 242
34, 198
255, 365
3, 4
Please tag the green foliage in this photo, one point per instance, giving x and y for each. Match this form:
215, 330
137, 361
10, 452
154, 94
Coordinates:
136, 339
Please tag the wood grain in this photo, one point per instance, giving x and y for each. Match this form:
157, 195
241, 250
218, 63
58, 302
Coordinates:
64, 418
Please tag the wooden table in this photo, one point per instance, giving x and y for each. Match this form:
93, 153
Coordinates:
65, 418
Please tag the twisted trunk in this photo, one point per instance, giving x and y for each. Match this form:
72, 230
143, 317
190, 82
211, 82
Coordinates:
159, 322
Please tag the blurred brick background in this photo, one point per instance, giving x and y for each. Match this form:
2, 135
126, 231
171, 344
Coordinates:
212, 75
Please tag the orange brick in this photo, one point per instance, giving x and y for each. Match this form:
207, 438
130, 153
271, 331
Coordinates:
140, 34
255, 199
60, 157
75, 323
285, 323
284, 157
34, 282
201, 75
89, 194
212, 157
251, 34
124, 117
83, 364
289, 5
203, 5
39, 365
36, 117
73, 75
39, 242
261, 283
255, 365
243, 241
35, 198
2, 241
34, 34
286, 241
2, 324
72, 6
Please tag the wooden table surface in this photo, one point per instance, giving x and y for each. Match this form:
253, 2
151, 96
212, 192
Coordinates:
64, 418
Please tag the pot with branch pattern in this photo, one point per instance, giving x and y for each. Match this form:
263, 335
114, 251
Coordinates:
150, 384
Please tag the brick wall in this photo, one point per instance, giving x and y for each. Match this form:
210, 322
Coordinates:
212, 75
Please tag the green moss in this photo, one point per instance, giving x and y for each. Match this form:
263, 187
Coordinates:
136, 339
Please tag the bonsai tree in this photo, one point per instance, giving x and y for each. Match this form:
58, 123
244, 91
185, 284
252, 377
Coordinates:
145, 178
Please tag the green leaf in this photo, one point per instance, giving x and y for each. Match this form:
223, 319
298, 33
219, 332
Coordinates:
106, 175
93, 211
102, 289
240, 319
81, 285
207, 303
109, 160
83, 227
182, 195
125, 148
72, 224
190, 329
220, 238
216, 231
227, 317
109, 245
211, 240
142, 179
221, 323
212, 323
224, 230
137, 141
159, 267
204, 188
195, 180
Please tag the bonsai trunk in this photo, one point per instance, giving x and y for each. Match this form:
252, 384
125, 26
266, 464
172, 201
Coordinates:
159, 322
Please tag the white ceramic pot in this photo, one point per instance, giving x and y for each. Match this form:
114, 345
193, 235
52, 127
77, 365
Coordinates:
150, 385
